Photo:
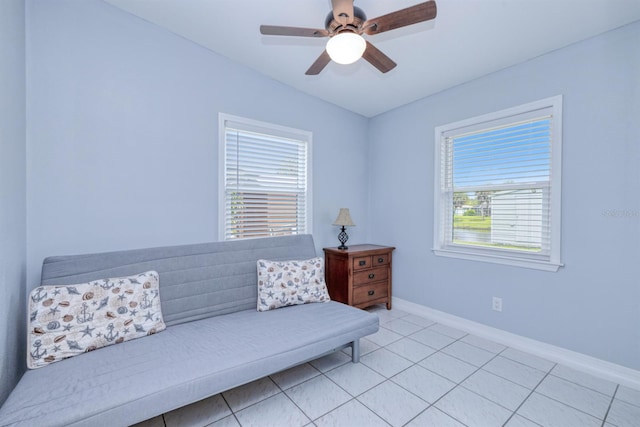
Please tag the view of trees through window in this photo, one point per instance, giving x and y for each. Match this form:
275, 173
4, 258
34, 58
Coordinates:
517, 223
500, 185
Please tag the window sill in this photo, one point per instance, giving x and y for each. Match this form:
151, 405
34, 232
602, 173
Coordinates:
498, 259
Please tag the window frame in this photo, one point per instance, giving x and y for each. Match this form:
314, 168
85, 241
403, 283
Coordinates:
441, 247
271, 129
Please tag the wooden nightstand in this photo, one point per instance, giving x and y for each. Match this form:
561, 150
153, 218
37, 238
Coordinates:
359, 276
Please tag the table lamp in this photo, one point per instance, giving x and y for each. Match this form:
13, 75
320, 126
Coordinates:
344, 220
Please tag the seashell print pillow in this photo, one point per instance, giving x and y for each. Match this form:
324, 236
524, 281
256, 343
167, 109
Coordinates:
284, 283
66, 321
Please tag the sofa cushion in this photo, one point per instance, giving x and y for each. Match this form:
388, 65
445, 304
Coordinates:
69, 320
284, 283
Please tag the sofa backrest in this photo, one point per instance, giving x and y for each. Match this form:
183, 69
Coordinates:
196, 281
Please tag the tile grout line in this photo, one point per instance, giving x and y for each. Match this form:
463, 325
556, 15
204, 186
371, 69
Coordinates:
529, 395
354, 397
351, 400
568, 405
519, 363
403, 370
582, 385
606, 414
422, 328
429, 405
467, 377
324, 374
232, 411
457, 384
311, 420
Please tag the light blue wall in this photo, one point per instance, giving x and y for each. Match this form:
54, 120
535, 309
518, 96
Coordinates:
593, 304
123, 135
121, 153
12, 193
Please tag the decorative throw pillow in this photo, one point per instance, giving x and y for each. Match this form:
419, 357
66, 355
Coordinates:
66, 321
283, 283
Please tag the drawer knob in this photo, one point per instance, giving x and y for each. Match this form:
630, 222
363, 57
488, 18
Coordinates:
380, 260
371, 293
371, 276
362, 262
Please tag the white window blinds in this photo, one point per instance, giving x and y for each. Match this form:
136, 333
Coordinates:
266, 188
504, 173
497, 183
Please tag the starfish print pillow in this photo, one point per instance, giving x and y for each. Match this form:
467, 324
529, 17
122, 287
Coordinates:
68, 320
283, 283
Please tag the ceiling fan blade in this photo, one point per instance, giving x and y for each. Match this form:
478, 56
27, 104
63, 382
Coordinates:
378, 59
276, 30
342, 11
401, 18
319, 64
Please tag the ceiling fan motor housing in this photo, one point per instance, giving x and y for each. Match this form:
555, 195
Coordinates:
334, 27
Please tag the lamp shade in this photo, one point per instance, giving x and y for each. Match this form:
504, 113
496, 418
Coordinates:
346, 48
344, 218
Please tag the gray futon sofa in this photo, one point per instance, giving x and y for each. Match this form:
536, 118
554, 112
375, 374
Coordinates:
215, 338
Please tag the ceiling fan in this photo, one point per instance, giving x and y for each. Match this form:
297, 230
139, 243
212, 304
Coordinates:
345, 25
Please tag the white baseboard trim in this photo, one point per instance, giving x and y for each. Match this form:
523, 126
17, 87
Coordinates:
591, 365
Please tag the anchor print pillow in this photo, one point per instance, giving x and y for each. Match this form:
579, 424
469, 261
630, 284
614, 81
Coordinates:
66, 321
284, 283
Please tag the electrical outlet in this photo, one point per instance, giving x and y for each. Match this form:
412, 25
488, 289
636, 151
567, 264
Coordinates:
497, 304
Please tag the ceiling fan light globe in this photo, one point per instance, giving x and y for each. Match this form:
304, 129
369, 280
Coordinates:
346, 48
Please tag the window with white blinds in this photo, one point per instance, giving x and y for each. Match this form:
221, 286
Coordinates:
497, 195
265, 179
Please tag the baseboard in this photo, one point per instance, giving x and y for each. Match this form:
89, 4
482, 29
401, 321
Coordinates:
594, 366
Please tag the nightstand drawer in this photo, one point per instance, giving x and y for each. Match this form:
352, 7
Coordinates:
366, 293
361, 262
377, 260
371, 275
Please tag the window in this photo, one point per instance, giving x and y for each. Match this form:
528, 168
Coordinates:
265, 184
497, 191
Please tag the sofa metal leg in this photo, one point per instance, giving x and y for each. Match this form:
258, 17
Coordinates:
355, 351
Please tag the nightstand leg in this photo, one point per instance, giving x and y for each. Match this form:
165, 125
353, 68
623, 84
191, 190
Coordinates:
389, 304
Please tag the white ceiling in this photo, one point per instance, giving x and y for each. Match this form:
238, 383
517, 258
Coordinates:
468, 39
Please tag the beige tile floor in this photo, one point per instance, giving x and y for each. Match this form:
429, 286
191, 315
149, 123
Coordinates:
415, 372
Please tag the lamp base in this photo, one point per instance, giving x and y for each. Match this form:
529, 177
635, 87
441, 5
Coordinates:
343, 237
